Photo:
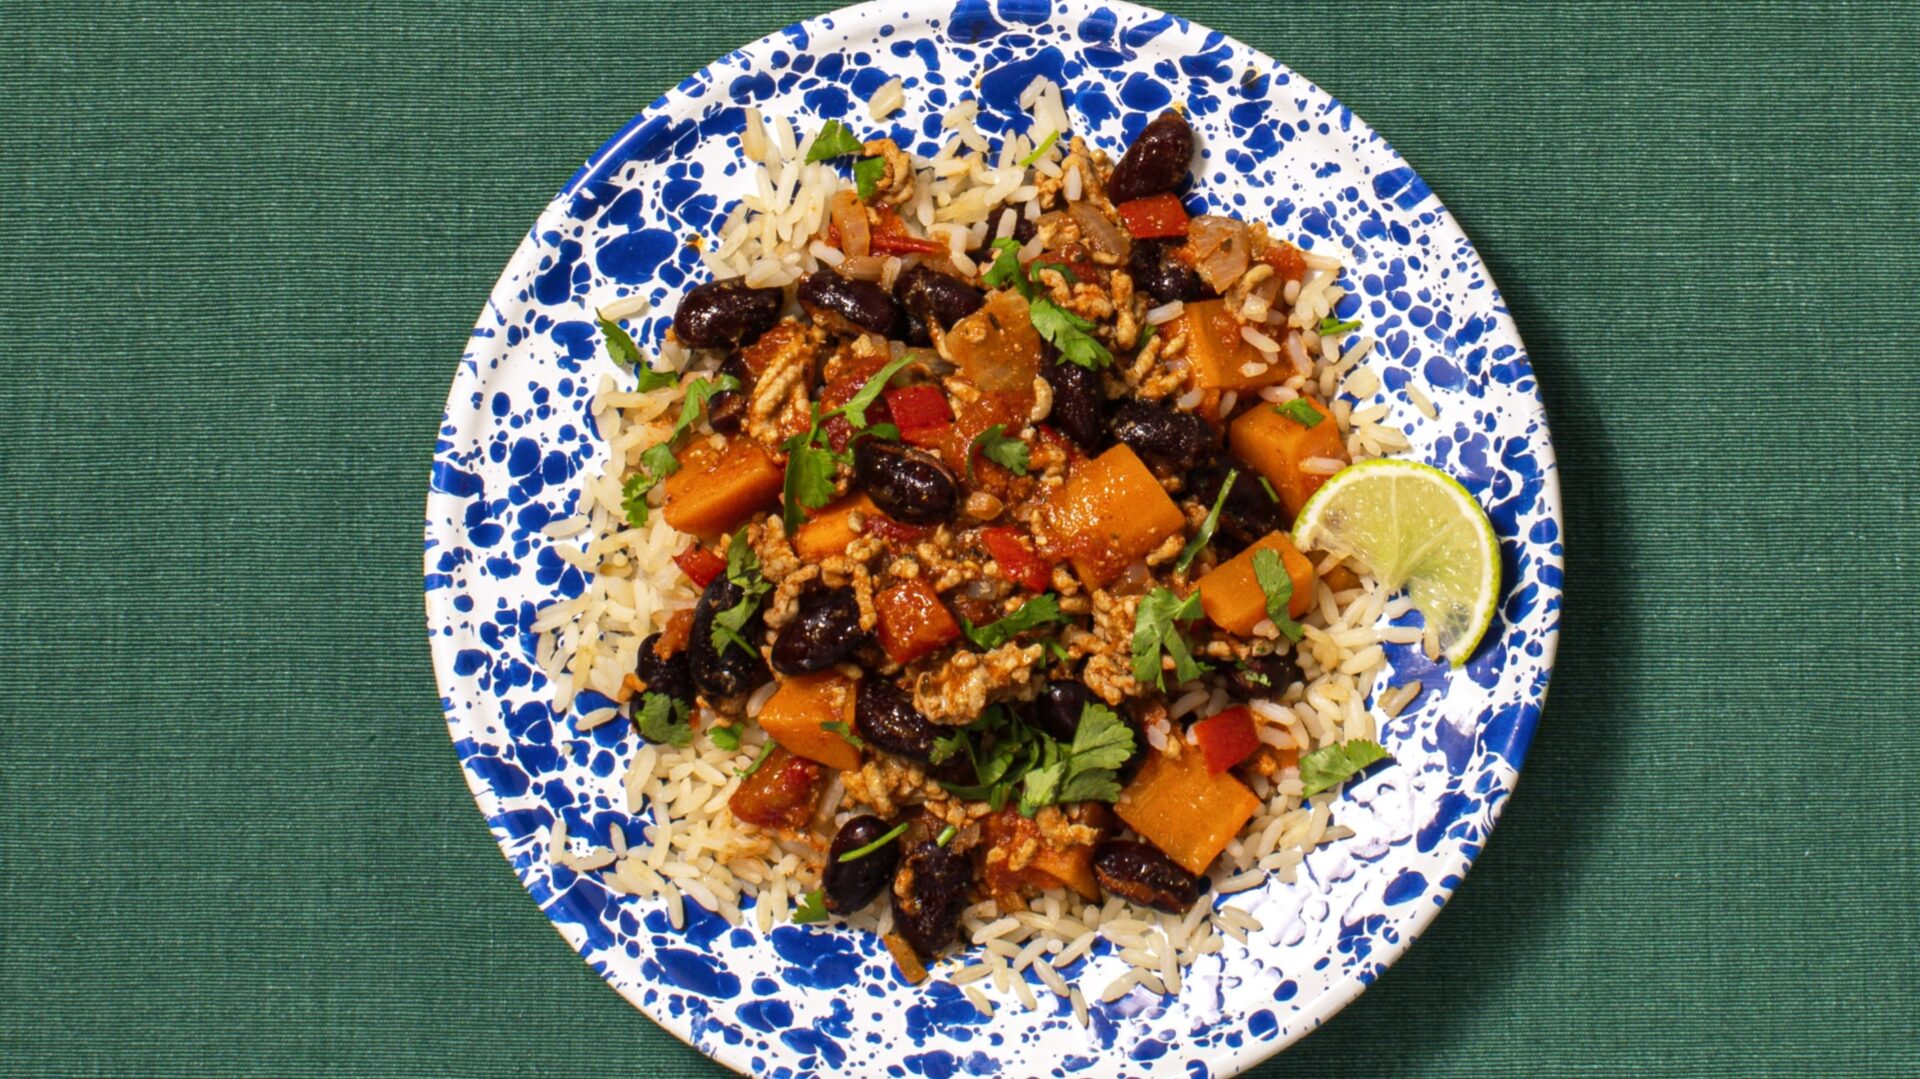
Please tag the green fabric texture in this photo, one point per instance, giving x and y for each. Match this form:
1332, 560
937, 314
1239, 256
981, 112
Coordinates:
243, 249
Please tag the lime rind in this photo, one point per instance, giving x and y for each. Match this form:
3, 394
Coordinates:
1412, 526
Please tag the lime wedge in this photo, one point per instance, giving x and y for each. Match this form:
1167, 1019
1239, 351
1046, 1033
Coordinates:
1414, 527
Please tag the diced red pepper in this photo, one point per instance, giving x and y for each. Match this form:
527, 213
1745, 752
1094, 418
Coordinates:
921, 413
1017, 561
893, 531
1155, 217
890, 236
1226, 738
1288, 263
700, 565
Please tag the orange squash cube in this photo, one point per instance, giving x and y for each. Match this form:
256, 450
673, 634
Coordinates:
830, 531
1231, 594
796, 714
1276, 445
912, 621
717, 491
1217, 352
1185, 810
1110, 512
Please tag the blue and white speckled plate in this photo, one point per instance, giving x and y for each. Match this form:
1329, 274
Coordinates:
814, 1000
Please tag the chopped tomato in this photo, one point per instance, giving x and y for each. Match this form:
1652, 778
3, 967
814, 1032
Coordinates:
700, 565
1226, 739
1017, 561
893, 531
1287, 261
921, 413
780, 793
890, 236
913, 621
1156, 217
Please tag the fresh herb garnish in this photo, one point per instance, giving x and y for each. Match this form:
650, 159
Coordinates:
663, 720
811, 908
1300, 412
811, 462
948, 746
995, 446
1154, 631
766, 750
1278, 586
725, 736
858, 853
839, 727
1267, 486
1066, 272
946, 836
743, 571
1148, 334
1005, 271
1204, 535
1040, 150
658, 461
866, 176
1250, 675
624, 352
1328, 765
1330, 325
1086, 771
834, 141
1068, 332
1041, 610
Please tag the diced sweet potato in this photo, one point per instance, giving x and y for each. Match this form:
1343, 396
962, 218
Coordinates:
1217, 352
716, 491
912, 620
1231, 594
830, 530
796, 715
1185, 810
1067, 867
1046, 865
1277, 444
781, 793
1110, 512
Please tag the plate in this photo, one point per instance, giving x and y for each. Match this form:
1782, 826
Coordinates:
516, 438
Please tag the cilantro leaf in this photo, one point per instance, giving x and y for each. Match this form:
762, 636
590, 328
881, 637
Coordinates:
1330, 325
1005, 271
766, 750
633, 497
657, 462
809, 480
948, 746
1067, 332
1041, 610
725, 736
1087, 770
1330, 765
1040, 150
866, 176
743, 571
624, 352
1060, 268
834, 141
1278, 586
839, 727
1154, 630
994, 444
855, 410
811, 908
1204, 534
1301, 412
662, 719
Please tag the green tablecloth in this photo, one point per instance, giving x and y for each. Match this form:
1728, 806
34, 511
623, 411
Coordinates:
243, 248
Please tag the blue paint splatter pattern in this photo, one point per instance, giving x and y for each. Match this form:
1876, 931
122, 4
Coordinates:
516, 436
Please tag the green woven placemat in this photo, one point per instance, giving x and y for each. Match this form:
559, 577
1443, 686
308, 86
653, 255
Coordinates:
243, 248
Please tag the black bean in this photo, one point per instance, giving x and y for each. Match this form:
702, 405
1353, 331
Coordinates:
670, 675
845, 305
1266, 676
824, 631
935, 297
1141, 874
728, 410
1079, 405
936, 892
1174, 437
1161, 277
909, 485
1024, 230
850, 886
722, 673
726, 312
1056, 711
1249, 514
1157, 161
885, 718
